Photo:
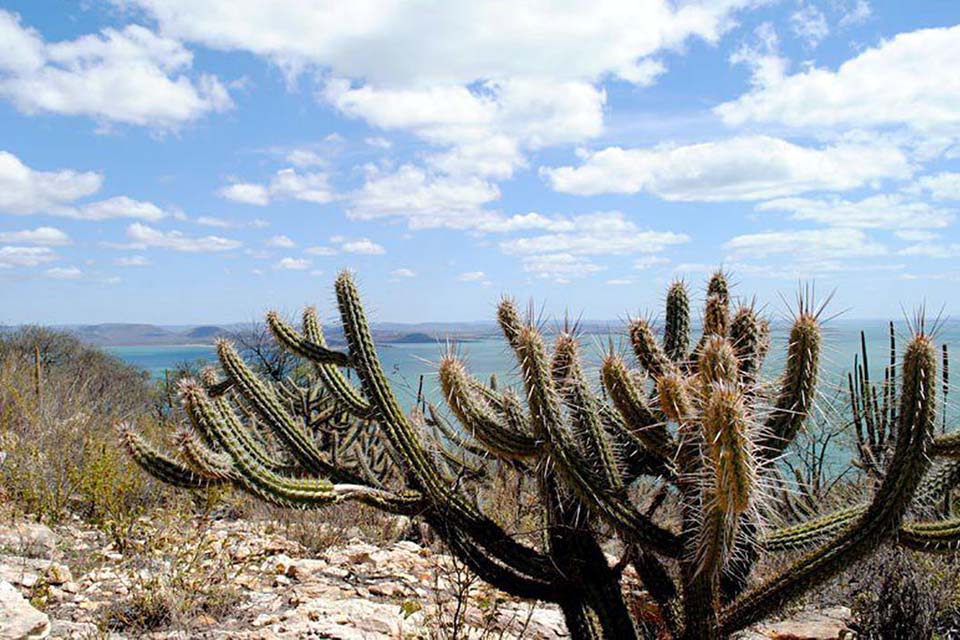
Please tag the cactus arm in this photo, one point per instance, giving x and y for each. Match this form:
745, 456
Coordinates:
296, 343
584, 410
243, 436
331, 377
545, 413
637, 416
214, 387
265, 403
939, 536
811, 532
157, 464
650, 354
947, 446
882, 518
478, 417
750, 336
796, 396
203, 460
443, 428
944, 477
676, 328
417, 465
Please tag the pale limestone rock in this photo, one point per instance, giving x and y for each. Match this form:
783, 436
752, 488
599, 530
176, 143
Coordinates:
18, 619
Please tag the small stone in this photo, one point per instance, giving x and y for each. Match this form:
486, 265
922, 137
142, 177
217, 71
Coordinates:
18, 619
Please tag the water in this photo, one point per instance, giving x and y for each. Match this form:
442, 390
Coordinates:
405, 363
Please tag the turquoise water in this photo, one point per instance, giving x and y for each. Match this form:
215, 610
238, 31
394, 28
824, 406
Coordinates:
405, 363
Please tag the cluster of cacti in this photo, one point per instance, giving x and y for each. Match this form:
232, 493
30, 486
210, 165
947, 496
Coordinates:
696, 421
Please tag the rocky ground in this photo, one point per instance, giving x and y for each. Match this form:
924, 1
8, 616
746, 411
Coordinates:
240, 579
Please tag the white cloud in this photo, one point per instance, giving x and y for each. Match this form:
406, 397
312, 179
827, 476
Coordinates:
24, 191
809, 24
132, 261
855, 13
117, 207
619, 282
303, 158
64, 273
424, 199
403, 273
743, 168
596, 234
25, 256
943, 186
908, 80
559, 266
48, 236
363, 246
646, 262
881, 211
472, 276
804, 246
285, 184
468, 41
932, 249
378, 142
246, 193
293, 264
143, 236
131, 76
280, 241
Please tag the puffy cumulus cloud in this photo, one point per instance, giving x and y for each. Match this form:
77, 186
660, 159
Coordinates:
930, 248
942, 186
24, 190
881, 211
14, 256
740, 168
130, 76
48, 236
143, 236
403, 273
468, 41
812, 245
908, 80
286, 184
423, 198
605, 233
559, 266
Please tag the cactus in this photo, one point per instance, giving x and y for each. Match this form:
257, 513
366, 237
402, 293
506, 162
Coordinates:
700, 423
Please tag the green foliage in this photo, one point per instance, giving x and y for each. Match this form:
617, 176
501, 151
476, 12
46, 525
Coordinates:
698, 425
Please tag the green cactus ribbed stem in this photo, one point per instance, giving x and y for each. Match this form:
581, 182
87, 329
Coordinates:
719, 287
158, 465
944, 477
811, 532
329, 375
296, 343
917, 418
947, 446
529, 569
264, 401
204, 461
716, 316
650, 354
750, 336
508, 317
632, 405
479, 418
942, 536
544, 406
676, 327
797, 393
717, 364
586, 420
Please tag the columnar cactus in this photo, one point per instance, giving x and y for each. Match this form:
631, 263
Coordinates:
699, 422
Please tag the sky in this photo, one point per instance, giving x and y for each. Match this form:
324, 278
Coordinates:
199, 161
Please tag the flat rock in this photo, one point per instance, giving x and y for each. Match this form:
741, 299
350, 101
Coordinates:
18, 619
808, 624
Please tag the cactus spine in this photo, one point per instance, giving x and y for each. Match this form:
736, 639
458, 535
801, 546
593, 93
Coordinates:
699, 422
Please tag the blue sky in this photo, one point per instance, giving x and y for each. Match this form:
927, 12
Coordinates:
193, 161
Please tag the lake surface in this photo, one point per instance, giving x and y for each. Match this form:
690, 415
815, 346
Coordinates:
405, 363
